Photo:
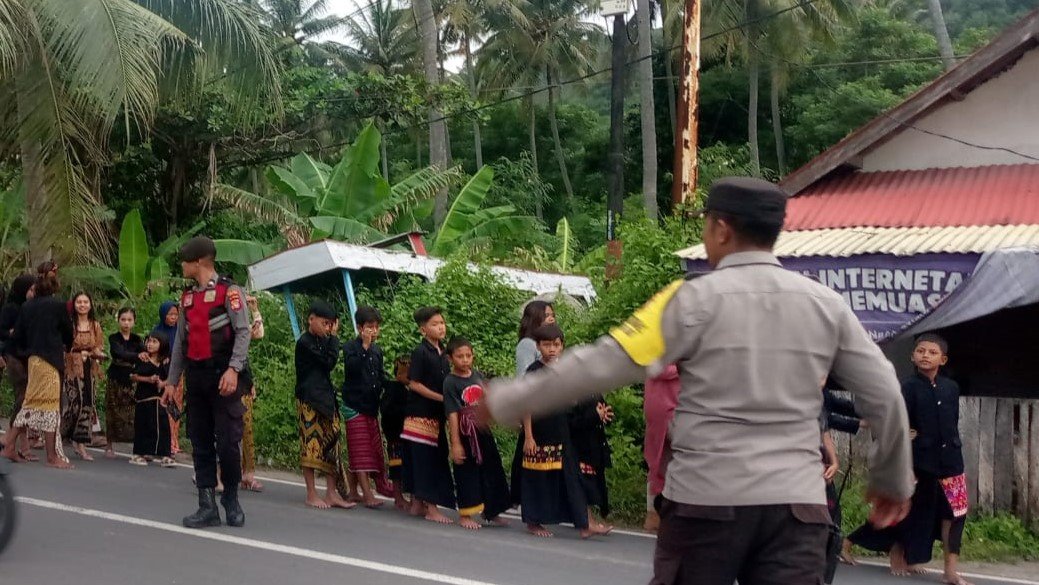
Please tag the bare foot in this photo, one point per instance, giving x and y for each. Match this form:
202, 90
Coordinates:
916, 570
355, 498
955, 579
417, 508
588, 533
28, 456
601, 529
59, 464
434, 515
373, 504
334, 501
539, 531
81, 450
401, 504
498, 521
847, 559
316, 502
468, 523
110, 454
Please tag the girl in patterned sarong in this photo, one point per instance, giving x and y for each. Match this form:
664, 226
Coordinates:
317, 352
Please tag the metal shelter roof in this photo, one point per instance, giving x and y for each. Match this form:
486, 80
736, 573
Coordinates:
299, 264
845, 242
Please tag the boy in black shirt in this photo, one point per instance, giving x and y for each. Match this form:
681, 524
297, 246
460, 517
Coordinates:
362, 389
940, 499
317, 352
479, 475
427, 475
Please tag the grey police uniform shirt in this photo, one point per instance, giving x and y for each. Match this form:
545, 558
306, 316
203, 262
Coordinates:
241, 324
753, 343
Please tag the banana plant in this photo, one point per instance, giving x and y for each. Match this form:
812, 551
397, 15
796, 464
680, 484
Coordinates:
467, 223
138, 266
351, 201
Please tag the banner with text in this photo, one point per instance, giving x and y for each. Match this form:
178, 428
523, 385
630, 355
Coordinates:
887, 293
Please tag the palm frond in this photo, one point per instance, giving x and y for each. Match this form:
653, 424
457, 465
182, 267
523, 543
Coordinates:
13, 39
111, 52
230, 45
260, 207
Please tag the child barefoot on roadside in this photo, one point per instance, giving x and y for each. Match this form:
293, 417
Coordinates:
479, 476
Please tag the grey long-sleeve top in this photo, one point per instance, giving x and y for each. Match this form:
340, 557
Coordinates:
753, 343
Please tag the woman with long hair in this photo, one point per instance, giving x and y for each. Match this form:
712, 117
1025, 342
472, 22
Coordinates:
43, 334
82, 373
535, 314
13, 356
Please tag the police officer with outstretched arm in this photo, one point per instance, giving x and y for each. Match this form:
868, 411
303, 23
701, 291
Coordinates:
210, 350
744, 498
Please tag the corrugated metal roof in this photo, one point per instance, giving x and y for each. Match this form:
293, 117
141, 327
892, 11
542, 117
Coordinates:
989, 195
895, 241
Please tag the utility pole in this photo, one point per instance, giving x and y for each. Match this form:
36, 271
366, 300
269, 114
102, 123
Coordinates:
685, 173
615, 197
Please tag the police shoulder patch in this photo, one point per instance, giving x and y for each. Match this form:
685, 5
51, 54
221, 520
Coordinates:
234, 298
642, 335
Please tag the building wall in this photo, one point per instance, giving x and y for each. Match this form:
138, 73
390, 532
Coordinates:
1002, 112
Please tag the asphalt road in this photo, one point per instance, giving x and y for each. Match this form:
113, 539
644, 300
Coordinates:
110, 523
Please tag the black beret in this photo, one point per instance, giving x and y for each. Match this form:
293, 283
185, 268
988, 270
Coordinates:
748, 198
197, 248
322, 309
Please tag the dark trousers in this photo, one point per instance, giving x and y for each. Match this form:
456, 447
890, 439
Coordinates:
214, 424
756, 545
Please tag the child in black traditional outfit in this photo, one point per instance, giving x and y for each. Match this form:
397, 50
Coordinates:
479, 476
552, 492
427, 474
588, 422
938, 509
391, 411
317, 352
151, 420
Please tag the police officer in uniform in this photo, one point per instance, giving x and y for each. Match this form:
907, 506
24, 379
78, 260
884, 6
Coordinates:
210, 351
744, 498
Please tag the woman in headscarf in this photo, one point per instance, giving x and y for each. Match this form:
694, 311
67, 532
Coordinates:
169, 313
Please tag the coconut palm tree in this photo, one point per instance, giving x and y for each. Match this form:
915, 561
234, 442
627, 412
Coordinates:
465, 22
646, 107
554, 43
383, 39
71, 71
747, 26
298, 24
429, 40
941, 32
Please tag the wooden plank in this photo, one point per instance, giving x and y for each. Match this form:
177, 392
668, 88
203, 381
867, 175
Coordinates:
1021, 461
1003, 472
969, 432
1033, 465
986, 453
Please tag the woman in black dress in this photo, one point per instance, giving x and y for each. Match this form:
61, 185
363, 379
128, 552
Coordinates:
127, 350
588, 422
11, 355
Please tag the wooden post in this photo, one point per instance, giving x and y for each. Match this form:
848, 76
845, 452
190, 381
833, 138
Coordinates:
685, 172
986, 453
1033, 465
969, 432
1003, 472
1021, 461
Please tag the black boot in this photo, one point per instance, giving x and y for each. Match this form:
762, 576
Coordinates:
207, 513
235, 514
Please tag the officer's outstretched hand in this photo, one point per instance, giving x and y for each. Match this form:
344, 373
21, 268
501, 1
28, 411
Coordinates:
228, 382
167, 393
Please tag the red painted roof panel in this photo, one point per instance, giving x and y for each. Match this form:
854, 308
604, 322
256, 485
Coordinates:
989, 195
